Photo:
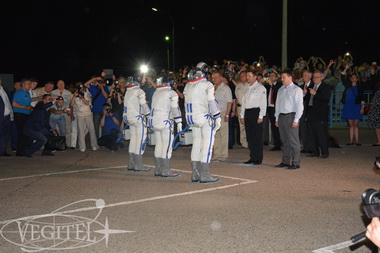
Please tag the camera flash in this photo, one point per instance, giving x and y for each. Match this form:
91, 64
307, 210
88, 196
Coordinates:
144, 69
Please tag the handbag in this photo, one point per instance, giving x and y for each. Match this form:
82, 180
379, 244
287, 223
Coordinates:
366, 109
56, 143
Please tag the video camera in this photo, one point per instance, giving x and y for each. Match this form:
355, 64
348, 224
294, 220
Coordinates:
80, 90
371, 204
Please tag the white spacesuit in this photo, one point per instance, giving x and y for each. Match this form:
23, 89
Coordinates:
135, 112
203, 115
164, 109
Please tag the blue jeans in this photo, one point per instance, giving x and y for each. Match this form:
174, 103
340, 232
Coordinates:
61, 123
40, 137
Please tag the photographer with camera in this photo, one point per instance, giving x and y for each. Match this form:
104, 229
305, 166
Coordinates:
57, 117
111, 125
99, 90
82, 100
116, 97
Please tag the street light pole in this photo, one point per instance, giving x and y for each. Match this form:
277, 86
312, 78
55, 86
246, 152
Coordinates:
171, 19
284, 60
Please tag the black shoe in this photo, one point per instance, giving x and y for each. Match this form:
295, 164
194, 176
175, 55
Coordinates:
19, 154
293, 167
281, 165
266, 144
47, 154
26, 155
248, 162
5, 154
305, 151
256, 163
275, 149
324, 156
312, 155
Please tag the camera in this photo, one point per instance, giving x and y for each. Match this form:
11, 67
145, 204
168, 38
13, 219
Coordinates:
109, 110
371, 202
117, 90
80, 94
107, 82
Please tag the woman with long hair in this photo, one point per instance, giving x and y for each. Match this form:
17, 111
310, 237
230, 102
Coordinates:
353, 99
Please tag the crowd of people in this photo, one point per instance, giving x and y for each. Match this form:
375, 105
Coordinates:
96, 107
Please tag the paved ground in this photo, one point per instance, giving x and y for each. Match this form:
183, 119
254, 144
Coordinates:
252, 209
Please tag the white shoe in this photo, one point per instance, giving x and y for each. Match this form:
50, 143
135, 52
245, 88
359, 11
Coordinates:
94, 148
82, 150
215, 159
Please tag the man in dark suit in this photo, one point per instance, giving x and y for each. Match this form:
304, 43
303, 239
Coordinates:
6, 116
306, 134
273, 85
317, 115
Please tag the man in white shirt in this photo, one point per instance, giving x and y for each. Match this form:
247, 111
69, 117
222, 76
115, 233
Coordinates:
33, 93
6, 116
67, 95
289, 109
239, 91
253, 110
223, 95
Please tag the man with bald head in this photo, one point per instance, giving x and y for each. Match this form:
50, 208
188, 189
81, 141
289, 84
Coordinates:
47, 89
67, 95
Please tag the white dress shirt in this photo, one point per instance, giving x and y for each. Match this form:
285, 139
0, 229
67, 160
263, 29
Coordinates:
255, 96
7, 105
223, 95
289, 99
240, 90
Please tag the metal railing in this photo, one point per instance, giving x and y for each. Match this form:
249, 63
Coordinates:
336, 109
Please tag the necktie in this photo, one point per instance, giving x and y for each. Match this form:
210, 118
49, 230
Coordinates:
312, 96
272, 96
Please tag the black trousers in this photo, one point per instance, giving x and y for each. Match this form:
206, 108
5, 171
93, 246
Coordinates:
22, 140
275, 132
109, 140
5, 130
254, 132
320, 136
306, 134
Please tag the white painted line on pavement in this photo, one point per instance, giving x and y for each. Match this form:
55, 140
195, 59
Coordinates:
137, 201
332, 248
61, 173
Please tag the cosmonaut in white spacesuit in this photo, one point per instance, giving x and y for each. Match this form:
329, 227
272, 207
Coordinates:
135, 112
164, 109
203, 116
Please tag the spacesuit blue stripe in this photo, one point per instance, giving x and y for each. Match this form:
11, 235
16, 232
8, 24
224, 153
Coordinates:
209, 146
142, 138
191, 107
216, 115
191, 120
170, 142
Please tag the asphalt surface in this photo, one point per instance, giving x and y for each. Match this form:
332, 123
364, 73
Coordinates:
87, 202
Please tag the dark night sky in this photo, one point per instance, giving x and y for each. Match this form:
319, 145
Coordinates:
73, 40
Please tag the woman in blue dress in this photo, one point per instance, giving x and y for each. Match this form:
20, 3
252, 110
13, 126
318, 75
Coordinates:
353, 99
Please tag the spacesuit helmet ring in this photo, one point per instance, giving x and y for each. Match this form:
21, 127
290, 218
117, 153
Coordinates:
200, 71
